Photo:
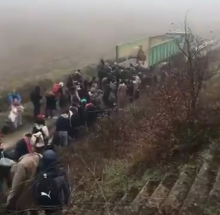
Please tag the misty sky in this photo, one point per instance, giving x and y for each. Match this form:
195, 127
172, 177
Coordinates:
36, 31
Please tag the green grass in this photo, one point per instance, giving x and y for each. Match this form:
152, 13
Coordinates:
213, 211
117, 181
116, 177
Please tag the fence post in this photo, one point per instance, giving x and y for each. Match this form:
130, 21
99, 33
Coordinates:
116, 50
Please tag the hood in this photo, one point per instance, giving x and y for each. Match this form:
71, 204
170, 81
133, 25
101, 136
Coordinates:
49, 159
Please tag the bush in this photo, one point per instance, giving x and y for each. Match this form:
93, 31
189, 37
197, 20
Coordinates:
175, 116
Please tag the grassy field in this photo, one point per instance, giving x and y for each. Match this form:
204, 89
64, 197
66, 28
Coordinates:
44, 81
25, 86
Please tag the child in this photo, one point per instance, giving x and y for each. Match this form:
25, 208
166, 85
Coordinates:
15, 114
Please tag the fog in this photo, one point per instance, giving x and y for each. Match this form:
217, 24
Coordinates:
35, 32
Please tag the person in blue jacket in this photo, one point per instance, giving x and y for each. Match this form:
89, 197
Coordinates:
14, 95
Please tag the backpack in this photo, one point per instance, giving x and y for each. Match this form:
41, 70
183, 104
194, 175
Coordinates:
46, 192
36, 130
56, 88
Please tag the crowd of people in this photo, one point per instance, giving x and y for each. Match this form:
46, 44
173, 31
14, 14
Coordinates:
35, 178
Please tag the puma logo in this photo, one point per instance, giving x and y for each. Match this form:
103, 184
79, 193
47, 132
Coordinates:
45, 194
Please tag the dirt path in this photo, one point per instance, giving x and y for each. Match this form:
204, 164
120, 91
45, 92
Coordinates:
10, 140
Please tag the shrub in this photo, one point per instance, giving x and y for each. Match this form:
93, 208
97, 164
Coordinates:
173, 116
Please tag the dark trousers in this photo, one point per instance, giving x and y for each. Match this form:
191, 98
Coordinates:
36, 110
49, 113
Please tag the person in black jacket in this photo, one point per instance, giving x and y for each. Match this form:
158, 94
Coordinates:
91, 115
23, 147
49, 165
74, 121
81, 112
50, 104
36, 99
69, 82
64, 99
101, 71
62, 128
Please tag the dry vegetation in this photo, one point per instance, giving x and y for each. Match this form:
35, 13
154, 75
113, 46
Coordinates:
170, 122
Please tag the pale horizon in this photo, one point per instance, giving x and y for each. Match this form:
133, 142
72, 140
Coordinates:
35, 32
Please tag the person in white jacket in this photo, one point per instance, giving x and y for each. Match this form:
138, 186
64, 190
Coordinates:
15, 114
138, 80
135, 88
40, 130
122, 95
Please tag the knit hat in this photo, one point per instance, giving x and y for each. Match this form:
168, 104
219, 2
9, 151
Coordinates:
83, 101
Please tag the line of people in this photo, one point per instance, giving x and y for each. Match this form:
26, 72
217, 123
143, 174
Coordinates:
114, 85
79, 102
37, 182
